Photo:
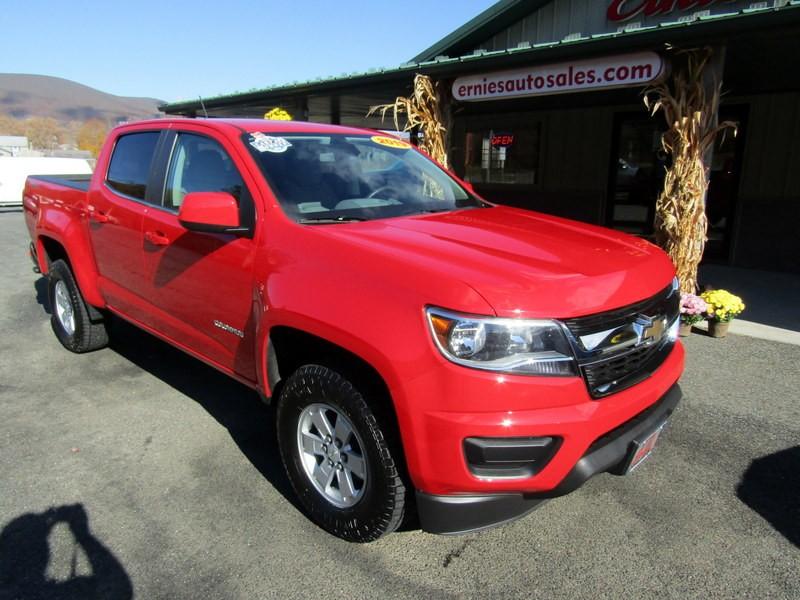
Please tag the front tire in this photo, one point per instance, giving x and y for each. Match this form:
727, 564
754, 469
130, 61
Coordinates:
72, 319
340, 458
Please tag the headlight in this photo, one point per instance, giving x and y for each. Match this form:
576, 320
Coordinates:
674, 330
519, 346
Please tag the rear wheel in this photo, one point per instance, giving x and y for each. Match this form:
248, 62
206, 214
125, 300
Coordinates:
79, 327
340, 457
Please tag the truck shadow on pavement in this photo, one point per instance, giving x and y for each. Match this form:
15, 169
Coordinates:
249, 421
40, 285
771, 487
54, 556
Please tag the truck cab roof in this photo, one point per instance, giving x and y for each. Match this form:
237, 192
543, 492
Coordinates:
262, 125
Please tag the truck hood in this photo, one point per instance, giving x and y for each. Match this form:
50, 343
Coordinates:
523, 263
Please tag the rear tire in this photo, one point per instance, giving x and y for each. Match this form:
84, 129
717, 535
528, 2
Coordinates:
79, 327
358, 493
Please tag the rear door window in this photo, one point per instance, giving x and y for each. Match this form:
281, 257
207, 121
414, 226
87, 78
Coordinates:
130, 163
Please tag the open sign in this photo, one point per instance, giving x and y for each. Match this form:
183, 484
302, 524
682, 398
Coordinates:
502, 140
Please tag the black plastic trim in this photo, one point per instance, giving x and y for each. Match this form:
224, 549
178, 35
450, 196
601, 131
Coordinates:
663, 302
206, 228
454, 515
610, 450
606, 370
75, 182
451, 515
516, 457
34, 257
655, 358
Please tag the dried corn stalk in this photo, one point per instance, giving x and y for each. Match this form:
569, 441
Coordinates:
423, 110
690, 109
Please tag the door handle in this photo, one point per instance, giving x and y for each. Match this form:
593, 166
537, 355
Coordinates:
98, 216
156, 238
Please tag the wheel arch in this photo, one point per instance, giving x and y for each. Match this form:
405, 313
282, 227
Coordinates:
50, 248
289, 348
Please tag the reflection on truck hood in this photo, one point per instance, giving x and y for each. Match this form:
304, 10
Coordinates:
523, 263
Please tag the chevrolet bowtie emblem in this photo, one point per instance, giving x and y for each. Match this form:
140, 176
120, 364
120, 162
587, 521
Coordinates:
642, 331
653, 328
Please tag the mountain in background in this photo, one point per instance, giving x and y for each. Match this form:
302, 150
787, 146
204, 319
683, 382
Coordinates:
23, 96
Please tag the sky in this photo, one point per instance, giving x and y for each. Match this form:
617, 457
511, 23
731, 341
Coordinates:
175, 50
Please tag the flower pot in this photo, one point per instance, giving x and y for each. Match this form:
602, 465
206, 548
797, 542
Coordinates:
718, 329
685, 329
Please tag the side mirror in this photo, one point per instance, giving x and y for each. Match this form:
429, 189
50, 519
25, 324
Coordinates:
215, 212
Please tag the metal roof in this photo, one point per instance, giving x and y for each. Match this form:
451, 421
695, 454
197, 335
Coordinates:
701, 30
493, 19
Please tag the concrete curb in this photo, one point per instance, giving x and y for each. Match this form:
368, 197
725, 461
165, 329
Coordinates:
758, 330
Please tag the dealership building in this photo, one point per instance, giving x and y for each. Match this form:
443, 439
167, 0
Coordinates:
547, 112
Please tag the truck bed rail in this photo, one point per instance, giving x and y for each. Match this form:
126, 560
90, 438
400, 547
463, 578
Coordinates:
77, 182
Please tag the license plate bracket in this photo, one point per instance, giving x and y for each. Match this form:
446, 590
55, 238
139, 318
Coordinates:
641, 449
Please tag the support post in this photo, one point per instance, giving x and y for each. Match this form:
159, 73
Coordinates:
689, 100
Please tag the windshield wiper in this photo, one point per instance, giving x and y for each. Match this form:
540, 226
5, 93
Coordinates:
325, 220
426, 211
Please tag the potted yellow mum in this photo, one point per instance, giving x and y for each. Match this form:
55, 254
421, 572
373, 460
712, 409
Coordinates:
723, 307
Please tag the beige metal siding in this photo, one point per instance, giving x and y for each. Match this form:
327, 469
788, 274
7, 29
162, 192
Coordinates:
561, 18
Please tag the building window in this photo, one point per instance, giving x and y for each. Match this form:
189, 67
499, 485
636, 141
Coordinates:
503, 155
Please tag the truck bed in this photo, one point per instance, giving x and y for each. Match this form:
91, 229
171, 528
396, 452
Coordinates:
76, 182
43, 192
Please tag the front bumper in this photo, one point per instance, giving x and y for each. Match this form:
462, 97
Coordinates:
454, 514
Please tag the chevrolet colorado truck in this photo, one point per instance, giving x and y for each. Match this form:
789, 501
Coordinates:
426, 352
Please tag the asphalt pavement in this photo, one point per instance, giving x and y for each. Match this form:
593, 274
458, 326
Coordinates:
137, 471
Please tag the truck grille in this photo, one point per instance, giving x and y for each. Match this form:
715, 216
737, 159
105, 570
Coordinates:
665, 302
615, 374
607, 370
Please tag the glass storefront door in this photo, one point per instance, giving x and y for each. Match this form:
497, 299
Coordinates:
637, 171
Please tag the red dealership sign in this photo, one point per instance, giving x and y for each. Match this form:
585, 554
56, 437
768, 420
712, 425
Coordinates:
622, 10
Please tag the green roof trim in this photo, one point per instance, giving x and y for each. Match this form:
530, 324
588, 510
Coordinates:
787, 14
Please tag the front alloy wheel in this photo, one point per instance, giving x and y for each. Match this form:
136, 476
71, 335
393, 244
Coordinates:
332, 454
341, 454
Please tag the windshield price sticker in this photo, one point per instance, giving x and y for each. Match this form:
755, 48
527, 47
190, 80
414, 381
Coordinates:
390, 142
268, 143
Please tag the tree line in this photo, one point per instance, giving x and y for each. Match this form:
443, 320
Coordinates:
47, 134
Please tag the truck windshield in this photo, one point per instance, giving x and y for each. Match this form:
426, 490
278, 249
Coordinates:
322, 178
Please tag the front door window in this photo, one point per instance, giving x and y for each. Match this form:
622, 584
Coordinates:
199, 164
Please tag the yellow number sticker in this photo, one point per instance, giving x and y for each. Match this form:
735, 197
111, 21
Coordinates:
390, 141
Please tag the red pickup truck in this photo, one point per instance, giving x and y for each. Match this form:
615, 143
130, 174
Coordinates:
426, 351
